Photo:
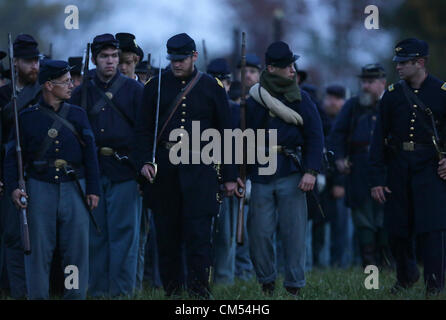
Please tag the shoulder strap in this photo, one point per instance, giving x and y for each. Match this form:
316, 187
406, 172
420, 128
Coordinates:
413, 99
24, 98
60, 120
48, 140
119, 82
176, 102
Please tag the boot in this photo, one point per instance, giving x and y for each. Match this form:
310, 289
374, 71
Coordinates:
268, 288
293, 291
368, 255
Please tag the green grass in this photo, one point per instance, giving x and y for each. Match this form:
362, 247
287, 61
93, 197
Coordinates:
322, 284
329, 284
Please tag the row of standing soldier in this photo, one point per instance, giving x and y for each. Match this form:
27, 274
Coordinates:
117, 119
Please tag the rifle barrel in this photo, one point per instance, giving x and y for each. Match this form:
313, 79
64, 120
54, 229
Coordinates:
241, 204
21, 182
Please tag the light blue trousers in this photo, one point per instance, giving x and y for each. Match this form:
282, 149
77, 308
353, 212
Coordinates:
114, 252
279, 206
56, 212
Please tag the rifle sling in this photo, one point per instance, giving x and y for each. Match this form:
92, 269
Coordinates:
119, 82
24, 98
59, 122
176, 102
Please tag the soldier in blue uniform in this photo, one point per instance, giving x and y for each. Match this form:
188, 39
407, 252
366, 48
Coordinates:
223, 242
76, 72
26, 59
404, 163
57, 206
183, 197
350, 140
129, 55
278, 201
112, 105
331, 195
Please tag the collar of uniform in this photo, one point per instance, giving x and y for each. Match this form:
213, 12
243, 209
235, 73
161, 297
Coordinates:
42, 103
188, 78
423, 84
103, 84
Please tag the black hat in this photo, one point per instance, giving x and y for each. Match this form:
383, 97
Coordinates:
372, 71
219, 68
409, 49
235, 90
25, 47
102, 41
180, 47
279, 55
252, 60
140, 53
2, 54
336, 90
76, 63
52, 69
127, 42
141, 67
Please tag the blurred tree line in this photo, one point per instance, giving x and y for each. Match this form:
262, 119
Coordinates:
330, 34
424, 19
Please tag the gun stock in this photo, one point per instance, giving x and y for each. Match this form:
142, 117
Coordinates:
23, 212
241, 205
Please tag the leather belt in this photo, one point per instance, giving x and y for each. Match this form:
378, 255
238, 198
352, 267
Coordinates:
412, 146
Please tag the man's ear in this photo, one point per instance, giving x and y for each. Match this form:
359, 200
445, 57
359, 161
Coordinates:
195, 56
93, 60
270, 68
48, 86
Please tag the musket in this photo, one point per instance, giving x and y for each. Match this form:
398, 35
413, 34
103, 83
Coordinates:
155, 135
149, 66
241, 201
51, 51
23, 212
85, 77
205, 54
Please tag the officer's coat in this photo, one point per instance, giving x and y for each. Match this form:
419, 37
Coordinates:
207, 103
410, 175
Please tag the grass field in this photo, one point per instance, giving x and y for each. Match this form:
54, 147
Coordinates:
330, 284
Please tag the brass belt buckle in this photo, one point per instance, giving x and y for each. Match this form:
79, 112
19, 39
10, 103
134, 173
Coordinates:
60, 163
106, 151
408, 146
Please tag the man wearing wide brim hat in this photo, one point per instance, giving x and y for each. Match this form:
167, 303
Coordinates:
350, 139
